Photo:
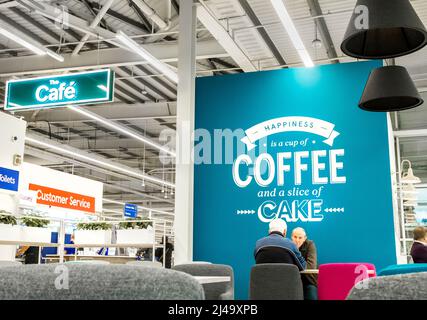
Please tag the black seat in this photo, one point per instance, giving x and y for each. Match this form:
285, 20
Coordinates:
272, 254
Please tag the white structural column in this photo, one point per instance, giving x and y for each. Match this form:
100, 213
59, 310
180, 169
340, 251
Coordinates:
185, 125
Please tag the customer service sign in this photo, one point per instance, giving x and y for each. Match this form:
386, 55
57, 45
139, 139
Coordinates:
291, 144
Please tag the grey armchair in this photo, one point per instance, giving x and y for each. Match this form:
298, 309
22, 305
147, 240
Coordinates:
96, 282
275, 281
213, 291
4, 263
409, 286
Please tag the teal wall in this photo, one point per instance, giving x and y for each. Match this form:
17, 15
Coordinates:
349, 222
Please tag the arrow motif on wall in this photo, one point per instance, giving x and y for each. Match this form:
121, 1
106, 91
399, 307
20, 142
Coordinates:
334, 210
246, 211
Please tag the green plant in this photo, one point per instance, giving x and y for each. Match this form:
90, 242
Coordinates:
35, 221
7, 219
94, 226
135, 225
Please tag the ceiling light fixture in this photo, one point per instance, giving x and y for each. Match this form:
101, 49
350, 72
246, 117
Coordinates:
390, 89
102, 163
316, 43
408, 177
37, 49
159, 65
121, 129
409, 189
383, 29
287, 22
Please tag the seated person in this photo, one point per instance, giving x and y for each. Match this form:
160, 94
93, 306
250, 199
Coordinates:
419, 248
309, 253
159, 253
30, 254
276, 248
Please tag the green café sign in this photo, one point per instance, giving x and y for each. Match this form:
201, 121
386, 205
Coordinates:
54, 91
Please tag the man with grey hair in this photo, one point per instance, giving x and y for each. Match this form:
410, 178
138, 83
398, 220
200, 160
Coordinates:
276, 248
309, 252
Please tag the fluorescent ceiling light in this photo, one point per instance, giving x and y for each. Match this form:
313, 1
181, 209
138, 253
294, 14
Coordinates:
287, 22
22, 42
54, 55
122, 129
37, 49
102, 163
159, 65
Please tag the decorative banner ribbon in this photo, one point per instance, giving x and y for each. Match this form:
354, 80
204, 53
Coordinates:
290, 124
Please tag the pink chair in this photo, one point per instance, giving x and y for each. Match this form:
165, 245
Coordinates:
337, 279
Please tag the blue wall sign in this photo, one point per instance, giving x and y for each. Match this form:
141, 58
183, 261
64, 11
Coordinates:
130, 210
301, 150
9, 179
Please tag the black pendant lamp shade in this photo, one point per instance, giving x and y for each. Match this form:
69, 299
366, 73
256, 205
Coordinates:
393, 30
390, 89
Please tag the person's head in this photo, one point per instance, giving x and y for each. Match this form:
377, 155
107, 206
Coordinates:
420, 234
278, 225
299, 236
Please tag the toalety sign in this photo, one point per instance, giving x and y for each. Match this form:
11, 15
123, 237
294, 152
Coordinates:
9, 179
53, 91
63, 199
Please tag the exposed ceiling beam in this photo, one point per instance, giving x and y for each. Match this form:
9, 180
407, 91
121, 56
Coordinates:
123, 130
98, 18
115, 57
141, 16
224, 38
8, 4
133, 83
146, 9
55, 147
39, 25
42, 154
328, 44
171, 87
113, 111
91, 8
72, 21
25, 31
148, 85
263, 33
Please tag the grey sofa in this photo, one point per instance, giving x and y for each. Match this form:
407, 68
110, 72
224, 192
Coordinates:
409, 286
275, 281
96, 282
213, 291
9, 263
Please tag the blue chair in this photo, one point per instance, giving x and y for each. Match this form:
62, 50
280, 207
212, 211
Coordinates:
403, 269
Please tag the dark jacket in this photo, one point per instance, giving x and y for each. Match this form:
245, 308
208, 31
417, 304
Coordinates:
419, 252
309, 252
275, 239
159, 255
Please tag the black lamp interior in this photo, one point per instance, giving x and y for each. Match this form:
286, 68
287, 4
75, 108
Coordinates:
384, 43
388, 104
